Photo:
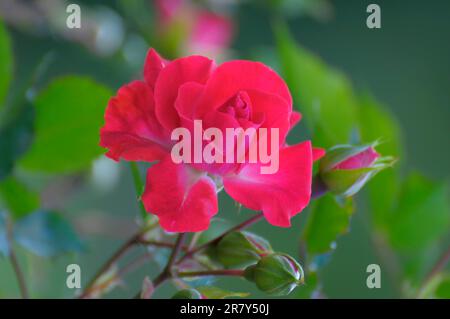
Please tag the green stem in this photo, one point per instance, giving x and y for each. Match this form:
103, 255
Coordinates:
15, 262
440, 265
175, 251
112, 260
135, 239
19, 274
167, 272
163, 276
139, 187
435, 271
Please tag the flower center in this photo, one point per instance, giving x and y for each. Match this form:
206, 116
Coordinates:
238, 106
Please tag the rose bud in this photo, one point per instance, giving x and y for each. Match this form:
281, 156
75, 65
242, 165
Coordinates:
241, 249
346, 168
275, 274
187, 294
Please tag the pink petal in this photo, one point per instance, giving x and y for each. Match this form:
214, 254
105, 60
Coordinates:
234, 76
221, 121
188, 69
363, 159
186, 102
131, 130
317, 153
184, 199
153, 66
295, 118
281, 195
275, 109
186, 106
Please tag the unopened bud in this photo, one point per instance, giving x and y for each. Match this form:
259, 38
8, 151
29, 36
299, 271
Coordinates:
241, 249
187, 294
275, 274
345, 169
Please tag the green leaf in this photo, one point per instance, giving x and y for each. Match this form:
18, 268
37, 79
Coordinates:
443, 289
211, 292
328, 220
4, 241
422, 215
16, 135
69, 114
17, 198
6, 63
322, 94
46, 234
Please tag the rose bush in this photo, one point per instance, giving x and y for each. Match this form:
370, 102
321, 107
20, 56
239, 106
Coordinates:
140, 118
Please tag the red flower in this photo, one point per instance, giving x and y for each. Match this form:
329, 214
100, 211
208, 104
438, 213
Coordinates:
140, 118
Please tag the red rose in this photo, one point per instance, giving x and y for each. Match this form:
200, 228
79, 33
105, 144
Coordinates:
140, 118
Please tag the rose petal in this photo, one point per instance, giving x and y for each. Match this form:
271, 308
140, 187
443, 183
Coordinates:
275, 109
281, 195
153, 66
295, 118
221, 121
186, 102
131, 130
231, 77
363, 159
188, 69
184, 199
317, 153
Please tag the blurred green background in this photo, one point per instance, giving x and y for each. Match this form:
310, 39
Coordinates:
405, 66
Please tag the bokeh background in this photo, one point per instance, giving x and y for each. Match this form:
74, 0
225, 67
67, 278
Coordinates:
405, 66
